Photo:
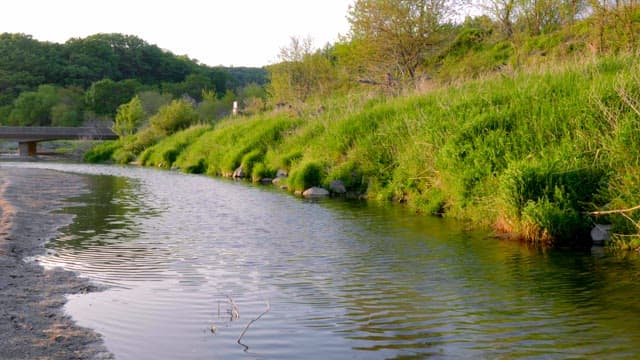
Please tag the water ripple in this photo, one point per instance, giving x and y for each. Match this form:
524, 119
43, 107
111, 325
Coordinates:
343, 280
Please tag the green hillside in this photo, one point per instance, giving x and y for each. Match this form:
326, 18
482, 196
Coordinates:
44, 83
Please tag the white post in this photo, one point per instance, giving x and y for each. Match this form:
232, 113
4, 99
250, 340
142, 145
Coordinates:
235, 108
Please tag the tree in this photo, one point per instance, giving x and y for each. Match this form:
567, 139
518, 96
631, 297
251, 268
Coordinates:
300, 74
129, 117
213, 107
152, 101
104, 96
33, 108
68, 111
394, 37
540, 16
178, 115
504, 12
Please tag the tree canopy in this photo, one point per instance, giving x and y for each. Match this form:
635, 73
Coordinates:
110, 68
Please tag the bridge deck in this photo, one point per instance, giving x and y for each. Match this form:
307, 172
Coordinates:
28, 137
55, 133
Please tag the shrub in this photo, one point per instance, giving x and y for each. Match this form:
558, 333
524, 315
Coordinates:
306, 175
261, 171
250, 159
178, 115
547, 203
102, 152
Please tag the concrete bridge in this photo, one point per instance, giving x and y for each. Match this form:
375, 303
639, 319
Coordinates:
29, 137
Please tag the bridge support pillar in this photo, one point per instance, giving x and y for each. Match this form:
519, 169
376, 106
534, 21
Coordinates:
27, 148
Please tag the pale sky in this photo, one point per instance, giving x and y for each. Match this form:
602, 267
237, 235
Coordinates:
215, 32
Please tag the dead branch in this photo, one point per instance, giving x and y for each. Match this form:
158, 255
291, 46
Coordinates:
617, 211
249, 324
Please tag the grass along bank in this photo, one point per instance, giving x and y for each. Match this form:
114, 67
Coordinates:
531, 154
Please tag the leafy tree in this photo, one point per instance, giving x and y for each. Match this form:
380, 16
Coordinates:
253, 98
504, 12
212, 108
68, 111
392, 38
33, 108
301, 73
129, 117
178, 115
152, 101
104, 96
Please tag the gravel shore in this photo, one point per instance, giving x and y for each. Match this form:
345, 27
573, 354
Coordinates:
32, 322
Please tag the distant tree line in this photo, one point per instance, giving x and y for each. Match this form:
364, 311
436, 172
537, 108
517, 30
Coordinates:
87, 79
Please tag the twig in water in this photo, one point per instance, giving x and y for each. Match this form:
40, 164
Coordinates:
249, 324
235, 312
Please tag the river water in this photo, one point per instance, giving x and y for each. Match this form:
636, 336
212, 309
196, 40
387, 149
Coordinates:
180, 254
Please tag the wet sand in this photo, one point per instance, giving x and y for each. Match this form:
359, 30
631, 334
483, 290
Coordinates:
32, 322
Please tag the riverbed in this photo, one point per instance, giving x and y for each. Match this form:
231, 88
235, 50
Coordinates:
193, 267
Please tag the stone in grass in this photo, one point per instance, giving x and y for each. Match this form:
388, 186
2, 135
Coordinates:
315, 192
266, 180
281, 173
600, 233
337, 187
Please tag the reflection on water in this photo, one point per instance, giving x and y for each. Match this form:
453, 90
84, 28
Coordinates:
343, 280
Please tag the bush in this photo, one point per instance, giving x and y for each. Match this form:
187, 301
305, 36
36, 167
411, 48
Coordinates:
261, 171
178, 115
250, 159
547, 203
102, 152
306, 175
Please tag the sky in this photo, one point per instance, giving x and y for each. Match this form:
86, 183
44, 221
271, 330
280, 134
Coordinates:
214, 32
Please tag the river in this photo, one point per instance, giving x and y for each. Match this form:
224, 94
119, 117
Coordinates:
181, 255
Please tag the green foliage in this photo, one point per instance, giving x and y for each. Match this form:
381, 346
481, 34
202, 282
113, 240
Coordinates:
301, 74
177, 115
68, 111
110, 68
261, 171
152, 101
213, 108
105, 96
102, 152
306, 175
551, 198
129, 117
34, 108
165, 153
250, 159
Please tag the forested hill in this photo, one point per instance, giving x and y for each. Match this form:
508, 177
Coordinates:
127, 64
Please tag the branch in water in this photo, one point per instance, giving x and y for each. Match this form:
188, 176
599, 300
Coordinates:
249, 324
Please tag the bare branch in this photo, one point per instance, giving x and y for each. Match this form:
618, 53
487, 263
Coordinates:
249, 324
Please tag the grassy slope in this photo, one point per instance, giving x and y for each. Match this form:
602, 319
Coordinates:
528, 154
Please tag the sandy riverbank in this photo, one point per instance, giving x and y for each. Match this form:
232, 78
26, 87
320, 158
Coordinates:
32, 322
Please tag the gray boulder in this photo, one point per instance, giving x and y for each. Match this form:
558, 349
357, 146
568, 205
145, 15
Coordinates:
315, 192
337, 187
600, 233
282, 173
